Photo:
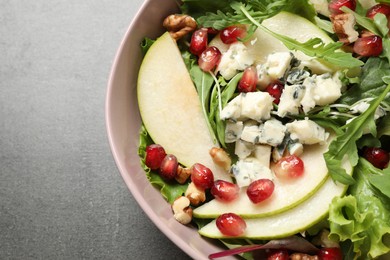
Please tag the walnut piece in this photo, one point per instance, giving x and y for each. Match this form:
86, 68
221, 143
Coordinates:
182, 174
195, 195
182, 211
221, 158
179, 25
344, 27
300, 256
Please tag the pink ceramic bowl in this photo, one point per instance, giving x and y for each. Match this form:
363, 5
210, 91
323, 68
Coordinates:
123, 124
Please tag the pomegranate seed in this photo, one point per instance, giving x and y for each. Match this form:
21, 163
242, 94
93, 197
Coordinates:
335, 5
202, 176
211, 30
379, 8
376, 156
248, 82
231, 224
281, 254
275, 89
209, 59
330, 253
289, 167
155, 153
260, 190
168, 167
199, 41
231, 33
224, 190
368, 46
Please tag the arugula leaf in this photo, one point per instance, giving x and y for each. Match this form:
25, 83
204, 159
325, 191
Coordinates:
386, 48
204, 83
384, 126
314, 47
169, 190
345, 144
363, 217
363, 21
226, 94
372, 84
197, 8
260, 10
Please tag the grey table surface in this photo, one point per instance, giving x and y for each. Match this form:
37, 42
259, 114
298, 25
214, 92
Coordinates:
61, 195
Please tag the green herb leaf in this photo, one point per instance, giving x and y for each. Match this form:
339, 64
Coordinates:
363, 21
204, 83
145, 44
314, 47
345, 144
384, 126
372, 85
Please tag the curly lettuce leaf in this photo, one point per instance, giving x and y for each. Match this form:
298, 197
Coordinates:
169, 190
363, 217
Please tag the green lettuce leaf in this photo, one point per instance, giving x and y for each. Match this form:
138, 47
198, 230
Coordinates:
372, 84
169, 190
363, 217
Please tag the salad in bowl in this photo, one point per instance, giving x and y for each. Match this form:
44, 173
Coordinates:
265, 125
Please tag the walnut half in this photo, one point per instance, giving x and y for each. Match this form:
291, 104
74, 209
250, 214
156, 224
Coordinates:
179, 25
344, 27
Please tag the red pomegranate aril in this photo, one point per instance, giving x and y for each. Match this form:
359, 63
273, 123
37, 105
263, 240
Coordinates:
368, 46
209, 59
379, 8
335, 5
199, 41
168, 168
224, 190
231, 33
155, 154
275, 89
278, 254
248, 82
231, 224
330, 253
202, 176
376, 156
211, 30
290, 166
260, 190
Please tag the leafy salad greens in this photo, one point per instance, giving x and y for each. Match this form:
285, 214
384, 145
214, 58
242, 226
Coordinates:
360, 220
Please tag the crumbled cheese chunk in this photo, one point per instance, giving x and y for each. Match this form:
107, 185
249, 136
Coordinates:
307, 132
263, 77
248, 170
243, 149
233, 131
236, 59
327, 90
256, 105
295, 148
251, 134
262, 153
232, 110
308, 101
278, 63
272, 132
290, 100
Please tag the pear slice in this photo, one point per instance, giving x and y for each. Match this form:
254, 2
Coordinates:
170, 107
290, 222
262, 44
287, 193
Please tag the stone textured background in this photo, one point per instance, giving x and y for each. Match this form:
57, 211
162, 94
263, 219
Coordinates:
61, 195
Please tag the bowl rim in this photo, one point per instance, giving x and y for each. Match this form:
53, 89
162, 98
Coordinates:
175, 238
